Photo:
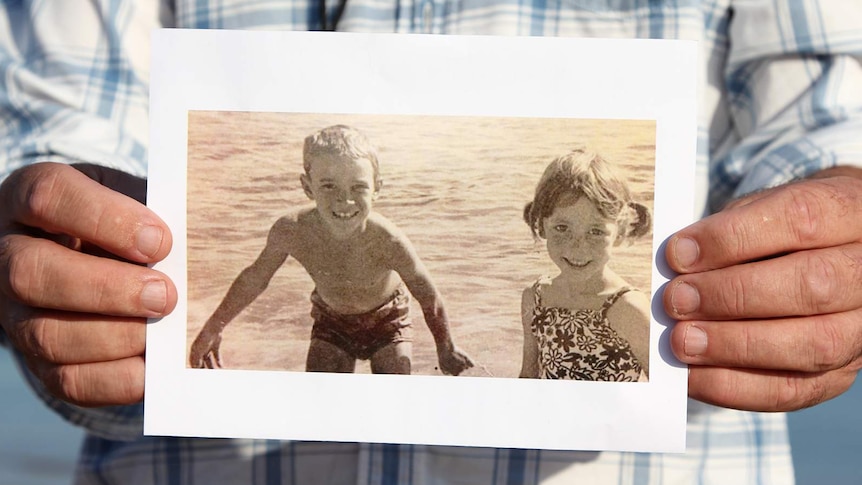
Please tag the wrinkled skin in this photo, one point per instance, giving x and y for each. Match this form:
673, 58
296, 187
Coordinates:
769, 296
74, 291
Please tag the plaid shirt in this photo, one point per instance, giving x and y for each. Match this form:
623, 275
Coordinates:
780, 99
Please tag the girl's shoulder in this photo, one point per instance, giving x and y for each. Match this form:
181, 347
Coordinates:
541, 285
532, 295
543, 282
619, 294
629, 294
626, 302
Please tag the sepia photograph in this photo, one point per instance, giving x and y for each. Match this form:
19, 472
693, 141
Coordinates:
403, 244
443, 237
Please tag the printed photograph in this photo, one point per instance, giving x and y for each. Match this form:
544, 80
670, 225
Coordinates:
428, 245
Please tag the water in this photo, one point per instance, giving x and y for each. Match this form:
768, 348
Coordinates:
455, 185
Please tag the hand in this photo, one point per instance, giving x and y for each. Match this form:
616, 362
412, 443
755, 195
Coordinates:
205, 352
453, 361
769, 297
74, 294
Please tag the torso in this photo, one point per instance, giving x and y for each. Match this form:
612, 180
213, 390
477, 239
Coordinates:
352, 276
581, 344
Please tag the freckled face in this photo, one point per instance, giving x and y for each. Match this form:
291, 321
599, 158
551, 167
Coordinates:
579, 238
343, 191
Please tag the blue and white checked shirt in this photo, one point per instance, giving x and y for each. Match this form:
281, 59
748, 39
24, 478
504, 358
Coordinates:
781, 97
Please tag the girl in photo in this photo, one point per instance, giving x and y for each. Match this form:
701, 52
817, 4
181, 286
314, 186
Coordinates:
585, 323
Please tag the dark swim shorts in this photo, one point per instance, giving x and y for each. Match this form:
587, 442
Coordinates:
362, 335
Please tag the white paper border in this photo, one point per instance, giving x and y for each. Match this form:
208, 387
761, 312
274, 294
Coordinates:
559, 78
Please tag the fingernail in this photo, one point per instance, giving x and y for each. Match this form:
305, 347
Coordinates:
685, 298
149, 240
695, 341
686, 251
154, 296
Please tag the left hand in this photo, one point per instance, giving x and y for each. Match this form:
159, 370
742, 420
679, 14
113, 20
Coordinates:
453, 360
769, 300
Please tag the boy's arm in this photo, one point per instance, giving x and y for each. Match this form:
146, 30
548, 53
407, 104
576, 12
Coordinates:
407, 264
247, 286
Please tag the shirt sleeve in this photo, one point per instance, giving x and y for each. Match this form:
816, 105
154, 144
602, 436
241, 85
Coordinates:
73, 88
75, 82
792, 79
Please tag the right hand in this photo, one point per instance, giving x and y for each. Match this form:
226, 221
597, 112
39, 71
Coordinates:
74, 291
453, 361
205, 352
767, 299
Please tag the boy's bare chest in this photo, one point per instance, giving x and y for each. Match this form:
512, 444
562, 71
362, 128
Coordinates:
340, 264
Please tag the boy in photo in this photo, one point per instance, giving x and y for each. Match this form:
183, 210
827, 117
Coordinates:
362, 266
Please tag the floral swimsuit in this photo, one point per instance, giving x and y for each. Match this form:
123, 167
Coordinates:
581, 344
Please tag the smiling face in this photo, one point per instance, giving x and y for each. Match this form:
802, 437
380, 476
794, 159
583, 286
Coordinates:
579, 238
343, 190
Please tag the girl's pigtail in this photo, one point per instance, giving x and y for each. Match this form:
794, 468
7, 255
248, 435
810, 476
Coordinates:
643, 224
529, 218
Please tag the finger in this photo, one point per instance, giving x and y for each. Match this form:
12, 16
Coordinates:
811, 214
832, 172
811, 344
41, 273
115, 180
757, 390
213, 360
61, 200
837, 171
75, 338
749, 198
197, 354
204, 346
217, 356
95, 384
195, 361
802, 283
